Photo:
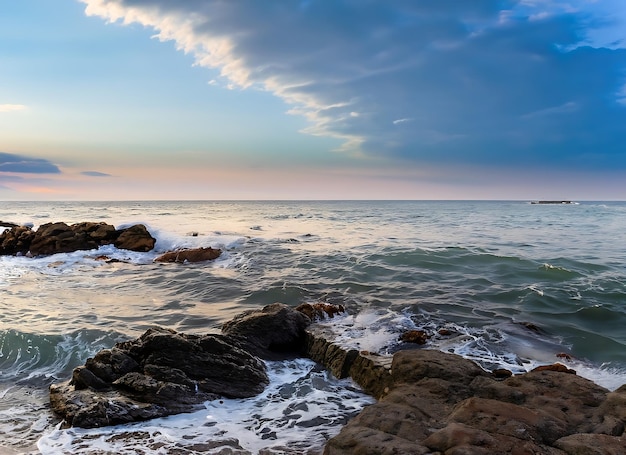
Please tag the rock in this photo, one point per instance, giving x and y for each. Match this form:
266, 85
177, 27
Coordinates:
161, 373
135, 238
502, 373
8, 224
52, 238
592, 444
414, 336
435, 402
320, 310
555, 367
277, 331
190, 255
16, 240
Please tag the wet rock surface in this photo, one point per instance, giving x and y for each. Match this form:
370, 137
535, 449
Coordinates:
438, 403
190, 255
59, 237
429, 402
164, 372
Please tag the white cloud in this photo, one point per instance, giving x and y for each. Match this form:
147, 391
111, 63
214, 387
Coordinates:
12, 107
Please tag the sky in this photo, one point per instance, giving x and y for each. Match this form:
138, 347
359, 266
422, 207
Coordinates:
312, 99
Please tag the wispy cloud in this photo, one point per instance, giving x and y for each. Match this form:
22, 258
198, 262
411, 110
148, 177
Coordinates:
95, 174
26, 165
356, 70
12, 107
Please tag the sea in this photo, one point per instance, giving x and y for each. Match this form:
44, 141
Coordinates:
508, 284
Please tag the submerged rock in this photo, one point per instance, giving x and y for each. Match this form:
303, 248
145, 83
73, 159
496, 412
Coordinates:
190, 255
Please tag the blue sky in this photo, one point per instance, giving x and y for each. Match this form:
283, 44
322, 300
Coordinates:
312, 99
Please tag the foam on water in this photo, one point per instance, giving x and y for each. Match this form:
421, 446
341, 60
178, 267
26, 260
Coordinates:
299, 411
475, 269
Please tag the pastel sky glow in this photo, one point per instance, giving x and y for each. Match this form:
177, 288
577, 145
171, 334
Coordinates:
312, 99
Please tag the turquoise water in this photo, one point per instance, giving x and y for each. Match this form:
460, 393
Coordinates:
486, 271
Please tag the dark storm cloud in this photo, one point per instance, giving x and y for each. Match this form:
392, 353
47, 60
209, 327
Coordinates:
431, 81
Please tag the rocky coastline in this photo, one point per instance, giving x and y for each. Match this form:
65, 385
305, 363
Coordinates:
429, 402
59, 237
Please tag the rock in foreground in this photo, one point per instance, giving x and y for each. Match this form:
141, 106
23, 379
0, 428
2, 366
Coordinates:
439, 403
164, 372
159, 374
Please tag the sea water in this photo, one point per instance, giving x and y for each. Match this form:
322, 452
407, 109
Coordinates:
512, 284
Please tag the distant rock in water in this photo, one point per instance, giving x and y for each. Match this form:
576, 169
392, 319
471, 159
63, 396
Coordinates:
190, 255
552, 202
59, 237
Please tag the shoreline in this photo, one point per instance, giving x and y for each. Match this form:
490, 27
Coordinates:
429, 400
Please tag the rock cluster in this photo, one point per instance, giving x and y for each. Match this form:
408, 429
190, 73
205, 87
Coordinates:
52, 238
164, 372
431, 402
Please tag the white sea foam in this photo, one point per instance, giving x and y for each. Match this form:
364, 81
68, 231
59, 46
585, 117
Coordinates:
301, 408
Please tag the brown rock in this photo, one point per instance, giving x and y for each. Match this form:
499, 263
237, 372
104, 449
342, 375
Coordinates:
502, 373
52, 238
592, 444
135, 238
555, 367
320, 310
414, 336
16, 240
436, 402
190, 255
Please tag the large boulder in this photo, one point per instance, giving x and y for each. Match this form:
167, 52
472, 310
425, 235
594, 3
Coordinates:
161, 373
135, 238
435, 402
273, 332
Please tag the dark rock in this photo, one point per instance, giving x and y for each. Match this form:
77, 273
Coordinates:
190, 255
52, 238
135, 238
8, 224
414, 336
16, 240
502, 373
274, 332
320, 310
161, 373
